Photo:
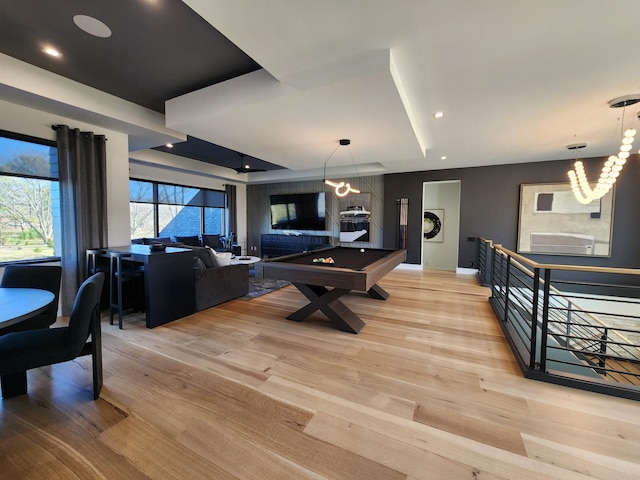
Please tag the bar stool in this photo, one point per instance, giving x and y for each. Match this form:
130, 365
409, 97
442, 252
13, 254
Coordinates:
122, 273
92, 266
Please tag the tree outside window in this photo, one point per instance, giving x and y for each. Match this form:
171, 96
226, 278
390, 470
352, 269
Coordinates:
29, 199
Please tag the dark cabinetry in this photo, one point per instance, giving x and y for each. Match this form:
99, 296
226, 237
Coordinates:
168, 282
276, 245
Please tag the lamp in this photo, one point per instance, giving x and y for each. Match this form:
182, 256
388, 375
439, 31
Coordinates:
611, 168
341, 188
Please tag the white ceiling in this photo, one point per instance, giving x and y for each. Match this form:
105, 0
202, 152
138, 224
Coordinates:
517, 80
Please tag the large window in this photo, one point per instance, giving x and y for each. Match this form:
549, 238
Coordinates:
29, 198
165, 210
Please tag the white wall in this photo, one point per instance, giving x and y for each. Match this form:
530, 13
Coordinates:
446, 196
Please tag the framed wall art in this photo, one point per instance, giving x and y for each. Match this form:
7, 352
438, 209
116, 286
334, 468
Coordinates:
553, 222
355, 218
433, 225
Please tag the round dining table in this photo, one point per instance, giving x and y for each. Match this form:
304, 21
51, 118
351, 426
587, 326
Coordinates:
18, 304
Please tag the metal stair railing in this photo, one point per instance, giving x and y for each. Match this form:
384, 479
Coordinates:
553, 336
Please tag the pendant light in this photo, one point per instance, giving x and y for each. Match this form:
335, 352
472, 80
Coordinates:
611, 168
341, 188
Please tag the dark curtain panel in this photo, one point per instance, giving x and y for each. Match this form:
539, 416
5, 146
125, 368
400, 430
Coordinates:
232, 209
83, 204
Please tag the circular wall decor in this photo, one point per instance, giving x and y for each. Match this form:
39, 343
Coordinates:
432, 225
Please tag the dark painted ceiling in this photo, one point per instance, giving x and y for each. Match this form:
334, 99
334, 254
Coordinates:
197, 149
159, 49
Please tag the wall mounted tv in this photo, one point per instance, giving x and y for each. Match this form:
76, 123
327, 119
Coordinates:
298, 211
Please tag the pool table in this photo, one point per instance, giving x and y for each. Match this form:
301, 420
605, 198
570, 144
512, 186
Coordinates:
354, 269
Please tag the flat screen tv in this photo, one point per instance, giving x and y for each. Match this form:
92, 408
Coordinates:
298, 211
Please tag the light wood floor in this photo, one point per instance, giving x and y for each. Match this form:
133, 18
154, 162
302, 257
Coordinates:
428, 390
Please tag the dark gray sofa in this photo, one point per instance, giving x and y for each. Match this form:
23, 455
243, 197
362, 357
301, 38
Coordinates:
214, 284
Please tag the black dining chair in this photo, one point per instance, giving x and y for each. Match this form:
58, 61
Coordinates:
22, 351
44, 277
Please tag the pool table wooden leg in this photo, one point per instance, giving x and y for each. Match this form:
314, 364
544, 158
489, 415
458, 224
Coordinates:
378, 292
327, 301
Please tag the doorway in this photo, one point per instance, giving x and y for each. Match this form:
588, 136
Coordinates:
441, 224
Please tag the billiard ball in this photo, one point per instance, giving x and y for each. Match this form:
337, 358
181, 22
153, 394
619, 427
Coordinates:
362, 250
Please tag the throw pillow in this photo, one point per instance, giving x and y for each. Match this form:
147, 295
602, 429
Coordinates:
205, 255
211, 240
221, 259
198, 264
192, 240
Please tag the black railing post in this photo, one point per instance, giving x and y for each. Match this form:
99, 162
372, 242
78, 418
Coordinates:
534, 318
545, 320
493, 269
602, 363
478, 260
506, 288
569, 319
483, 261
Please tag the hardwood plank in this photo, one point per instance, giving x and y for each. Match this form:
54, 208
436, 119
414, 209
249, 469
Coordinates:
583, 461
466, 422
428, 389
41, 440
157, 456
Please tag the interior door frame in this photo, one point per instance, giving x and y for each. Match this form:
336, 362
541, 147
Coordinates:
447, 238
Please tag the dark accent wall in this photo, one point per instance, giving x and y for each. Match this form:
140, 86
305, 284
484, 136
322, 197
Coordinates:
259, 216
489, 207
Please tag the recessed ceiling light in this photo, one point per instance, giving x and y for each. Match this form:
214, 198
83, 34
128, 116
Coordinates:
169, 145
438, 115
92, 26
444, 157
52, 51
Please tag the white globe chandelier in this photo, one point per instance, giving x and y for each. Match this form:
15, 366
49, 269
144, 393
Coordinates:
611, 168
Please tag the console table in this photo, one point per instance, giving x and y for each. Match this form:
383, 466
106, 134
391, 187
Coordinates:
168, 282
276, 245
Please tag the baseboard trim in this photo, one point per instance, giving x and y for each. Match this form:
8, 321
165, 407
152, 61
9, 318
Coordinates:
410, 266
467, 271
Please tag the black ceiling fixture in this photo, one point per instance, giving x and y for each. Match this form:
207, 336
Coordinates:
246, 168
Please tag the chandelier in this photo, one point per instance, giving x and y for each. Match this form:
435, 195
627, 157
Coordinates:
341, 188
611, 168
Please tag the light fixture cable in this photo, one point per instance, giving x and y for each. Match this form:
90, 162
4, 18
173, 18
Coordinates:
341, 188
324, 173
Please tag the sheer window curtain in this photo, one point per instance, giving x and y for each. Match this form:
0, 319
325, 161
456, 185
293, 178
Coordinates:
83, 204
